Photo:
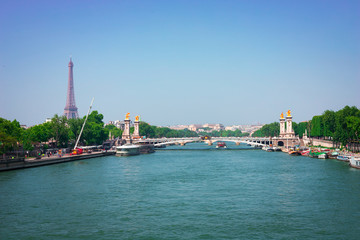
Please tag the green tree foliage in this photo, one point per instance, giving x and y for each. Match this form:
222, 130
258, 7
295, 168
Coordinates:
299, 128
343, 133
75, 125
115, 132
94, 131
329, 123
59, 130
353, 123
340, 126
159, 132
268, 130
146, 130
40, 133
226, 133
37, 134
10, 134
317, 127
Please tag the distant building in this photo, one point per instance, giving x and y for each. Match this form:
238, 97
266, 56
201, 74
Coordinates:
194, 127
179, 127
216, 127
119, 124
230, 128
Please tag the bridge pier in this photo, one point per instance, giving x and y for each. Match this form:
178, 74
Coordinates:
237, 143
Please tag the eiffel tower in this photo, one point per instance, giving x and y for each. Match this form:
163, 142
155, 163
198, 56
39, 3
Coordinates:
70, 110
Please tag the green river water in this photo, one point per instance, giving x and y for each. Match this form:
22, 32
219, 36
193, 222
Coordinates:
194, 194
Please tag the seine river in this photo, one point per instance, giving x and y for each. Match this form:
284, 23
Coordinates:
194, 194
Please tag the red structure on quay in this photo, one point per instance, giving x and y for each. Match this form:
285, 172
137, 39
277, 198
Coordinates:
70, 110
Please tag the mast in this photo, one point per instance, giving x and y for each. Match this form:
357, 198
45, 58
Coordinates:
82, 128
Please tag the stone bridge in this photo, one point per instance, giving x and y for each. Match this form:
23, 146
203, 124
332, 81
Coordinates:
254, 141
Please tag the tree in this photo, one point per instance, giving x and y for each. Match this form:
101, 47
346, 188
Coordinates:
329, 123
146, 130
10, 134
317, 126
94, 131
299, 128
353, 123
115, 132
268, 130
75, 125
59, 130
40, 133
342, 132
6, 142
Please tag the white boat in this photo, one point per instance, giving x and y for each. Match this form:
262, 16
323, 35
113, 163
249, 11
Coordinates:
322, 156
355, 162
128, 150
268, 149
343, 158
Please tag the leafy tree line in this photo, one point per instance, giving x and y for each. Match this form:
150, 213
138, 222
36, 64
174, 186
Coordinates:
268, 130
342, 126
227, 133
10, 134
150, 131
60, 130
63, 132
159, 132
273, 129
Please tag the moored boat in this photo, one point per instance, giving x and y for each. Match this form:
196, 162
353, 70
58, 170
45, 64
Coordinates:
343, 158
355, 162
294, 153
277, 149
322, 156
305, 153
221, 145
128, 150
316, 154
147, 148
333, 155
268, 149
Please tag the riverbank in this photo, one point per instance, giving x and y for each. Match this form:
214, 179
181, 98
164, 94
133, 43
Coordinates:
326, 153
33, 162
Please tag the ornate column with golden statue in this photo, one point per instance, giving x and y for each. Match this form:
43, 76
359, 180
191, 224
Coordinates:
126, 133
282, 125
136, 128
289, 129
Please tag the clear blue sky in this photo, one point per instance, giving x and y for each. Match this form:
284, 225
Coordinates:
180, 62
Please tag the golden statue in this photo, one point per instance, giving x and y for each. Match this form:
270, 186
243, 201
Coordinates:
137, 118
127, 116
282, 115
289, 113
